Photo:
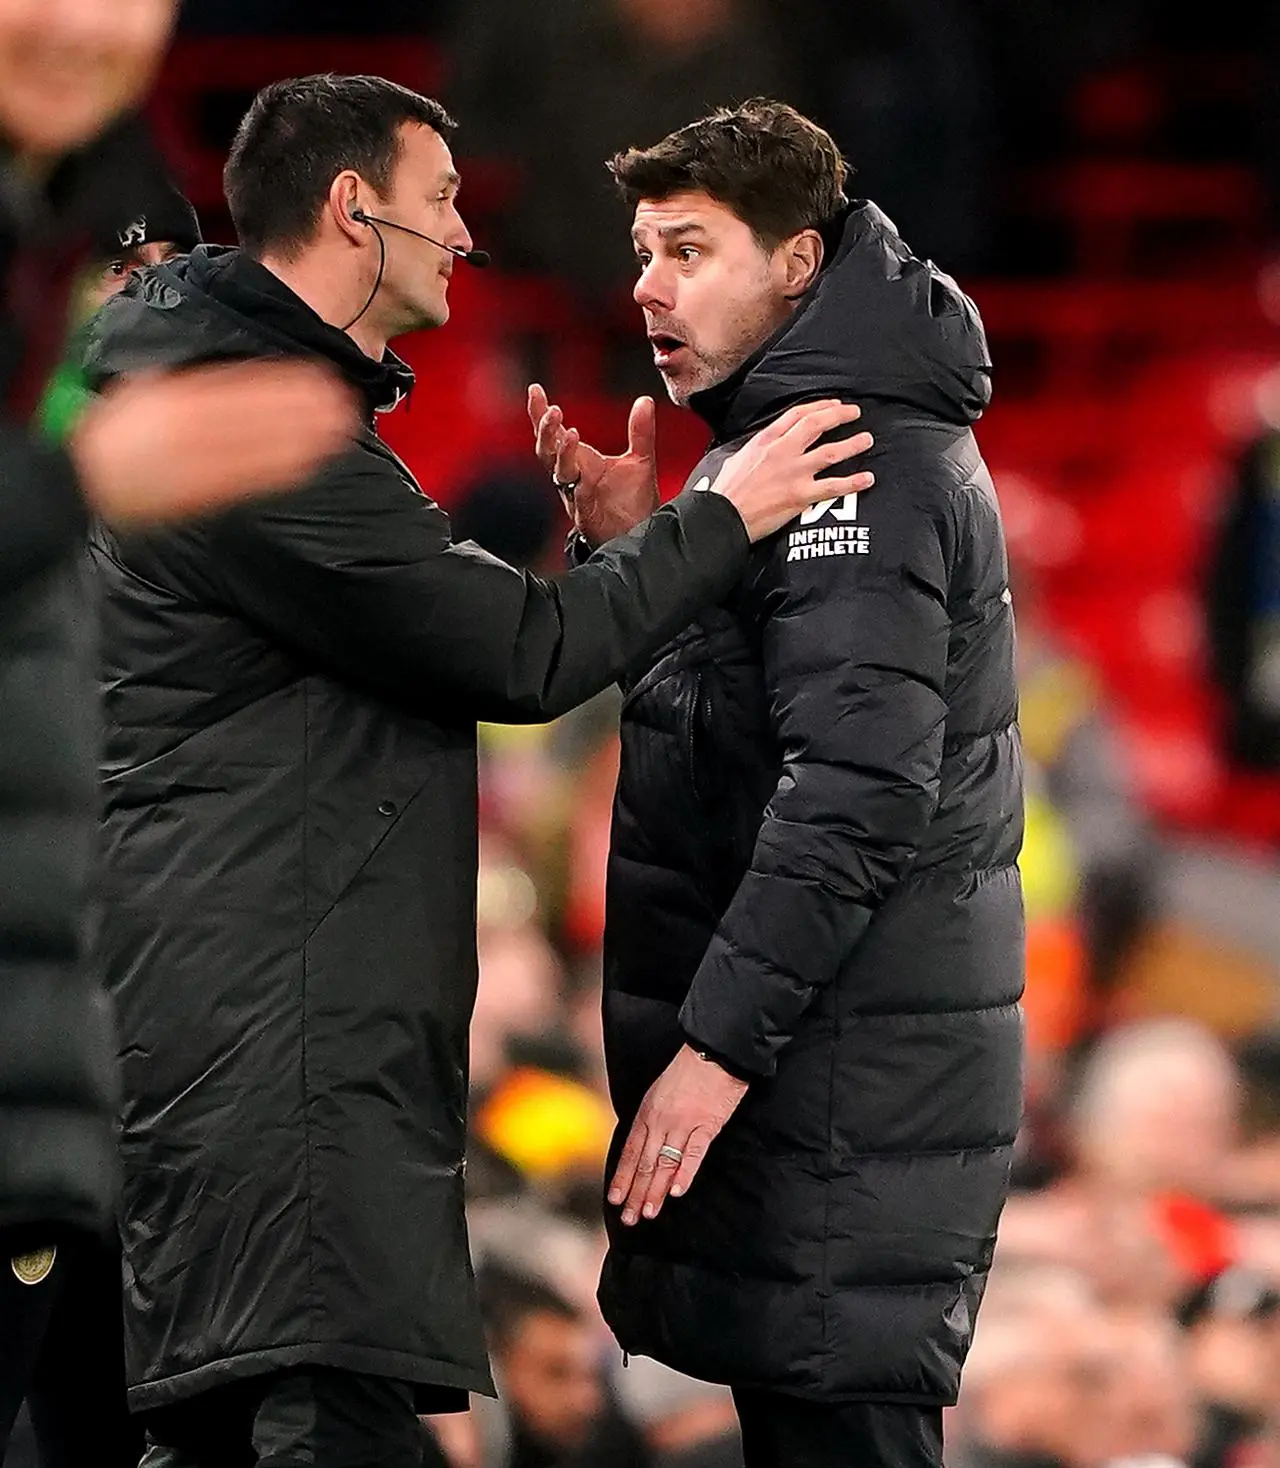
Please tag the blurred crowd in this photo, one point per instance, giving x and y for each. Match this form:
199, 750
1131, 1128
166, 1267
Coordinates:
1134, 1309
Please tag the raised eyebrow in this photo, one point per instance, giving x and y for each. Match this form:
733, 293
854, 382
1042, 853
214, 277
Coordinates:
670, 232
451, 180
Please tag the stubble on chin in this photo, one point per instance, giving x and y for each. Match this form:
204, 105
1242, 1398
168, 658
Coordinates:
708, 374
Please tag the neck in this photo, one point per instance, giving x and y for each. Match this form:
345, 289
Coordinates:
316, 281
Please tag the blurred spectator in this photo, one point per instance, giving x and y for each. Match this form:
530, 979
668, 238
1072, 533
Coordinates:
546, 1360
1151, 1412
687, 1423
1233, 1356
151, 223
1036, 1386
560, 86
1155, 1113
1243, 607
520, 976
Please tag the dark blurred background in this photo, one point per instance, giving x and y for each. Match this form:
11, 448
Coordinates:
1103, 177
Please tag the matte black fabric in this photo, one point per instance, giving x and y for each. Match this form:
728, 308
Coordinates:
786, 1432
57, 1095
290, 849
813, 875
62, 1349
293, 1419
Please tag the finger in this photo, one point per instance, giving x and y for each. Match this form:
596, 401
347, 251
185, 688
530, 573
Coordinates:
664, 1172
811, 426
825, 489
538, 404
566, 465
625, 1172
695, 1149
642, 429
793, 417
550, 433
645, 1169
827, 454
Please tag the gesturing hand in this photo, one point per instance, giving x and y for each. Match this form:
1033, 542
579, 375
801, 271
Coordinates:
168, 445
683, 1113
610, 494
770, 480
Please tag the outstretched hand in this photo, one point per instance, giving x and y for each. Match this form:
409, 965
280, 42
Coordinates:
608, 494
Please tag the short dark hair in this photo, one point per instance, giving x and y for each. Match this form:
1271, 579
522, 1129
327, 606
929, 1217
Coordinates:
509, 1297
778, 171
299, 135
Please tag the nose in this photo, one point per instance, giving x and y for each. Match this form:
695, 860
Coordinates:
653, 289
459, 235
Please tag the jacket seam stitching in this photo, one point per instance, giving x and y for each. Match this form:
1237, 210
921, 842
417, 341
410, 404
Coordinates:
828, 1190
304, 1006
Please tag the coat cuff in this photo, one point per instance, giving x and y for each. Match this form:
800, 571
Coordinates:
746, 1007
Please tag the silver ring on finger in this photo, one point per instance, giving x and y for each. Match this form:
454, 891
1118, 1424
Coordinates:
671, 1154
566, 486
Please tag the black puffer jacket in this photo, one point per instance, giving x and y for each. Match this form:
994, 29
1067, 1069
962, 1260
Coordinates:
291, 695
813, 876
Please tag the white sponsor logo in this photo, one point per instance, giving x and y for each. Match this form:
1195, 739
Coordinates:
845, 508
843, 536
136, 234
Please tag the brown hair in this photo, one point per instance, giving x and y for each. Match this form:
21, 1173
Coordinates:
778, 171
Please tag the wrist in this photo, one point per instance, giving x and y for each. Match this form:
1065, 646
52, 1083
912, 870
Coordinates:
709, 1057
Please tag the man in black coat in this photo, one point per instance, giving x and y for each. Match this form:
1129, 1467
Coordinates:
813, 950
290, 814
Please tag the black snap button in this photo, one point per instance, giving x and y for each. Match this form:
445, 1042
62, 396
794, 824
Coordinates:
387, 808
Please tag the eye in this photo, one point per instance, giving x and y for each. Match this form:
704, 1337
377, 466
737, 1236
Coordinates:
687, 253
118, 267
643, 258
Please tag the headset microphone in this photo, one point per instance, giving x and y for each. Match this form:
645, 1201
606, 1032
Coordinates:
478, 258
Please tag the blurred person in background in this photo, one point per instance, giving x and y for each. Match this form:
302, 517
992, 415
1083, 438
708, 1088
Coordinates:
813, 952
1232, 1350
1034, 1393
152, 230
687, 1423
152, 225
1154, 1117
290, 811
547, 1362
69, 72
1151, 1409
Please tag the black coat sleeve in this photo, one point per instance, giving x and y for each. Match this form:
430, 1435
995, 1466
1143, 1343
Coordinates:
359, 573
855, 654
42, 513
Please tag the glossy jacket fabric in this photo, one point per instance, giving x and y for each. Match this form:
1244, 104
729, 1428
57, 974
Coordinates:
290, 844
813, 877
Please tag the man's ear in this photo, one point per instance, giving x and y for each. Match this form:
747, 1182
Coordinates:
344, 201
801, 260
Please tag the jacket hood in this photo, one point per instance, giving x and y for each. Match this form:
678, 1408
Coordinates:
218, 304
879, 325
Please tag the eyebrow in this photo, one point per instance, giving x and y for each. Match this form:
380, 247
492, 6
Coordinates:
451, 180
672, 231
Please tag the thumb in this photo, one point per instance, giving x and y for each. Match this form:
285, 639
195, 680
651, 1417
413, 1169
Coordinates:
642, 429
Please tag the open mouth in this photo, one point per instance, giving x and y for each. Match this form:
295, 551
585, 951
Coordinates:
666, 348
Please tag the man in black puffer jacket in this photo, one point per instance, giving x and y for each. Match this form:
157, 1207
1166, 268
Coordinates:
813, 954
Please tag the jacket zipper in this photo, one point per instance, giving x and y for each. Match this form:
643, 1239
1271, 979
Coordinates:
693, 721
